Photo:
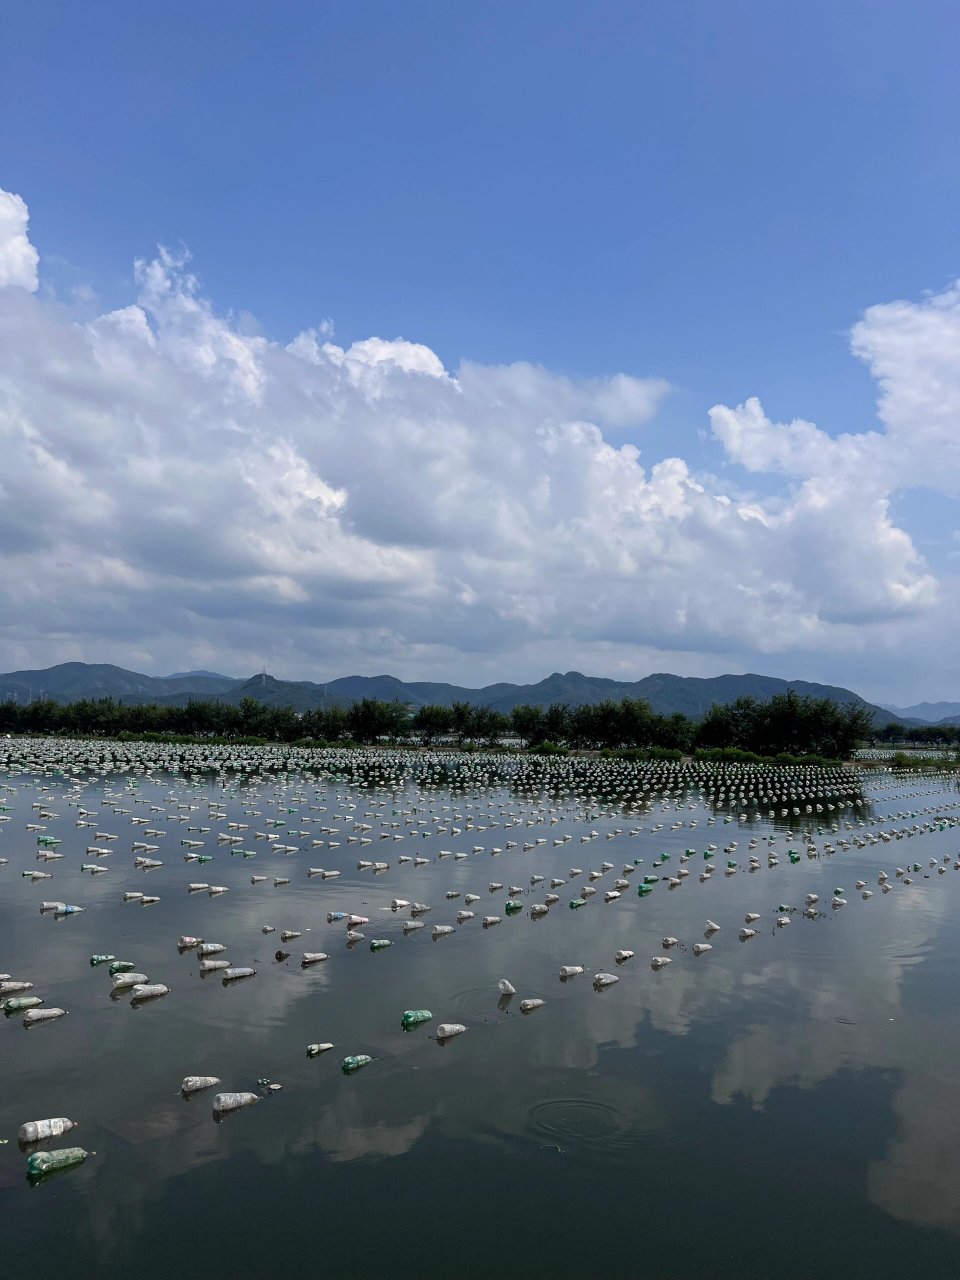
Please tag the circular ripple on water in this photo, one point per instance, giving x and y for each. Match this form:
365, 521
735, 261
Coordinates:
580, 1122
589, 1124
479, 1000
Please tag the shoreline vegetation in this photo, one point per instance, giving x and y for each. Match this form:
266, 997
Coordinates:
787, 729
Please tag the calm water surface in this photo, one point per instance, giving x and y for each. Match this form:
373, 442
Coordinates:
782, 1107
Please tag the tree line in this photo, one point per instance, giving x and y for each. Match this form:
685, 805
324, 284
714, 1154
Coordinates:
787, 723
919, 735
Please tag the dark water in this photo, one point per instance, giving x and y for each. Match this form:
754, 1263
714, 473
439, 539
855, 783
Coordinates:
782, 1107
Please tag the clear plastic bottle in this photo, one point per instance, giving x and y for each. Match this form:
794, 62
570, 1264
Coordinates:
226, 1102
33, 1016
193, 1084
40, 1130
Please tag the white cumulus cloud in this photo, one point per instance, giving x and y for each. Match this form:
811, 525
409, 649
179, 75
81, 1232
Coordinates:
174, 486
18, 257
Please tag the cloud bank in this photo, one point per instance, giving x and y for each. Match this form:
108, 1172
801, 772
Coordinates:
176, 492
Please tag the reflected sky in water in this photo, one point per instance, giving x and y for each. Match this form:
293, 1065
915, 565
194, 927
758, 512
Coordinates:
782, 1106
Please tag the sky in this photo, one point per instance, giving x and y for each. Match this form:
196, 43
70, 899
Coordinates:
472, 342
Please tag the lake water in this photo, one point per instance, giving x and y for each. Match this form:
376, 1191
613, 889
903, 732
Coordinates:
781, 1107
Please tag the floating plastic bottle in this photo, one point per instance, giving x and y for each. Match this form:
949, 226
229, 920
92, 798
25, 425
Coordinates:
212, 966
194, 1084
699, 948
506, 988
333, 917
10, 986
660, 962
148, 991
33, 1016
604, 979
41, 1130
580, 902
187, 943
746, 934
414, 1017
443, 931
411, 926
128, 979
205, 949
312, 957
16, 1004
447, 1030
224, 1103
314, 1050
239, 971
353, 1062
621, 956
98, 960
44, 1162
378, 944
528, 1006
511, 907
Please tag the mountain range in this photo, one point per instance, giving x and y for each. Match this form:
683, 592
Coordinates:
928, 712
692, 695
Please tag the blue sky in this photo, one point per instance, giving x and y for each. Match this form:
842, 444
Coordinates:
706, 193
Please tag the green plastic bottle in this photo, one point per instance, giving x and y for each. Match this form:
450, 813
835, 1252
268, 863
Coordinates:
95, 960
512, 907
378, 944
644, 889
577, 902
353, 1062
17, 1003
42, 1162
413, 1018
121, 966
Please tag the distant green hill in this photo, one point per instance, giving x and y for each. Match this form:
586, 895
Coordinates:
70, 681
692, 695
